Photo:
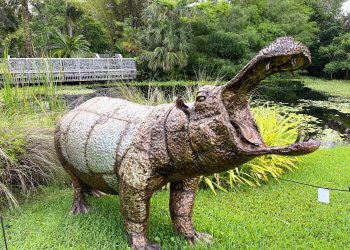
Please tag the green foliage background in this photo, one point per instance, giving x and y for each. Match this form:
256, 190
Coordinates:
182, 39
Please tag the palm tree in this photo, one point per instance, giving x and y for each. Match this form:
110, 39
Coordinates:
68, 47
166, 36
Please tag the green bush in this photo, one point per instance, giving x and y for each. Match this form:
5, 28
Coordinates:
27, 159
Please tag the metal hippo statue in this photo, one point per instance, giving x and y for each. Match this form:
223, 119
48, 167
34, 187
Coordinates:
118, 147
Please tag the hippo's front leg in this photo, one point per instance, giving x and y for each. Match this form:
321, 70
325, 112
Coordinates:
135, 208
182, 196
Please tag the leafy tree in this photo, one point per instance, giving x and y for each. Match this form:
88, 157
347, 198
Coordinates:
73, 15
97, 36
8, 22
47, 16
327, 15
129, 43
68, 47
226, 35
50, 15
338, 53
166, 39
8, 19
109, 12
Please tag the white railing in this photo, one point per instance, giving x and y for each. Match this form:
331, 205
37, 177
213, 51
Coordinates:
33, 70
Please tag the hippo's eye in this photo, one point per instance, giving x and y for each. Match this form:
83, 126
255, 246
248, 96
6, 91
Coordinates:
200, 98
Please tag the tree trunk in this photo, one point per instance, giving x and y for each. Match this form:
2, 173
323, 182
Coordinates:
69, 21
26, 28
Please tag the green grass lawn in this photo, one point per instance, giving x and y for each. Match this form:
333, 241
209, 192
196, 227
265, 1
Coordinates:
279, 215
339, 88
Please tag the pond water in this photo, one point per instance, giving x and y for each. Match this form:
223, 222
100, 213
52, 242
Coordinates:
331, 115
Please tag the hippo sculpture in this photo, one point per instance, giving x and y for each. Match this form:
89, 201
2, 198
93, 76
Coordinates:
118, 147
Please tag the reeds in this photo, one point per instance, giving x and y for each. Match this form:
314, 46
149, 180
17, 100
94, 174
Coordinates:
27, 160
30, 94
28, 109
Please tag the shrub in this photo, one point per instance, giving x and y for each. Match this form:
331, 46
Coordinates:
27, 160
27, 157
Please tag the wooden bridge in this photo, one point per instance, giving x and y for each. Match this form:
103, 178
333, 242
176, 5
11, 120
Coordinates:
35, 70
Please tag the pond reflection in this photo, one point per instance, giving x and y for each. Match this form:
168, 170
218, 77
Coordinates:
332, 113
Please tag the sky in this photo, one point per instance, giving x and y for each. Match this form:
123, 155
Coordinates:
346, 6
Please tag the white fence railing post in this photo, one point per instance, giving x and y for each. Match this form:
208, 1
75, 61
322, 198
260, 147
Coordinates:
79, 70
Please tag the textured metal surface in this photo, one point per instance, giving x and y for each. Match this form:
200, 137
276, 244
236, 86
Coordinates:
112, 181
102, 145
96, 136
116, 146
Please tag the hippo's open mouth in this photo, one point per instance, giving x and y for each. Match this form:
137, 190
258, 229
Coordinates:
258, 146
284, 54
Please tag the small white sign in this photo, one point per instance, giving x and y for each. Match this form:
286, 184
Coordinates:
323, 195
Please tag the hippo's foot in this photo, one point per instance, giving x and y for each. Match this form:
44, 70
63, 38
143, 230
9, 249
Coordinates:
139, 242
95, 193
79, 207
199, 238
149, 246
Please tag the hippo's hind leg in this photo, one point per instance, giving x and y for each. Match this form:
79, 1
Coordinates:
79, 206
182, 196
94, 192
79, 188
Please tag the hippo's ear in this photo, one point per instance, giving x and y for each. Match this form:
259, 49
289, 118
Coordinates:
181, 105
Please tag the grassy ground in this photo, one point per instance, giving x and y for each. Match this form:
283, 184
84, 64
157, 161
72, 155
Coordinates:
276, 216
329, 87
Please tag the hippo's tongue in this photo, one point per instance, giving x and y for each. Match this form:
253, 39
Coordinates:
249, 133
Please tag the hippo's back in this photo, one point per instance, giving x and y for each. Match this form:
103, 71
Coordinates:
94, 137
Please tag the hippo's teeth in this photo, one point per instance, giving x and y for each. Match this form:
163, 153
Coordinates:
307, 138
298, 136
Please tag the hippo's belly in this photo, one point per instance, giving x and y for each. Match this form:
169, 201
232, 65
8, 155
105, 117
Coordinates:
96, 135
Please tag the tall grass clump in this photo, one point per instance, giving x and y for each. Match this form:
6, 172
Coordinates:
27, 160
153, 95
23, 96
27, 113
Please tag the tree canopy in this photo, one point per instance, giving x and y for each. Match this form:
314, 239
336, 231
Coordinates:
177, 38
